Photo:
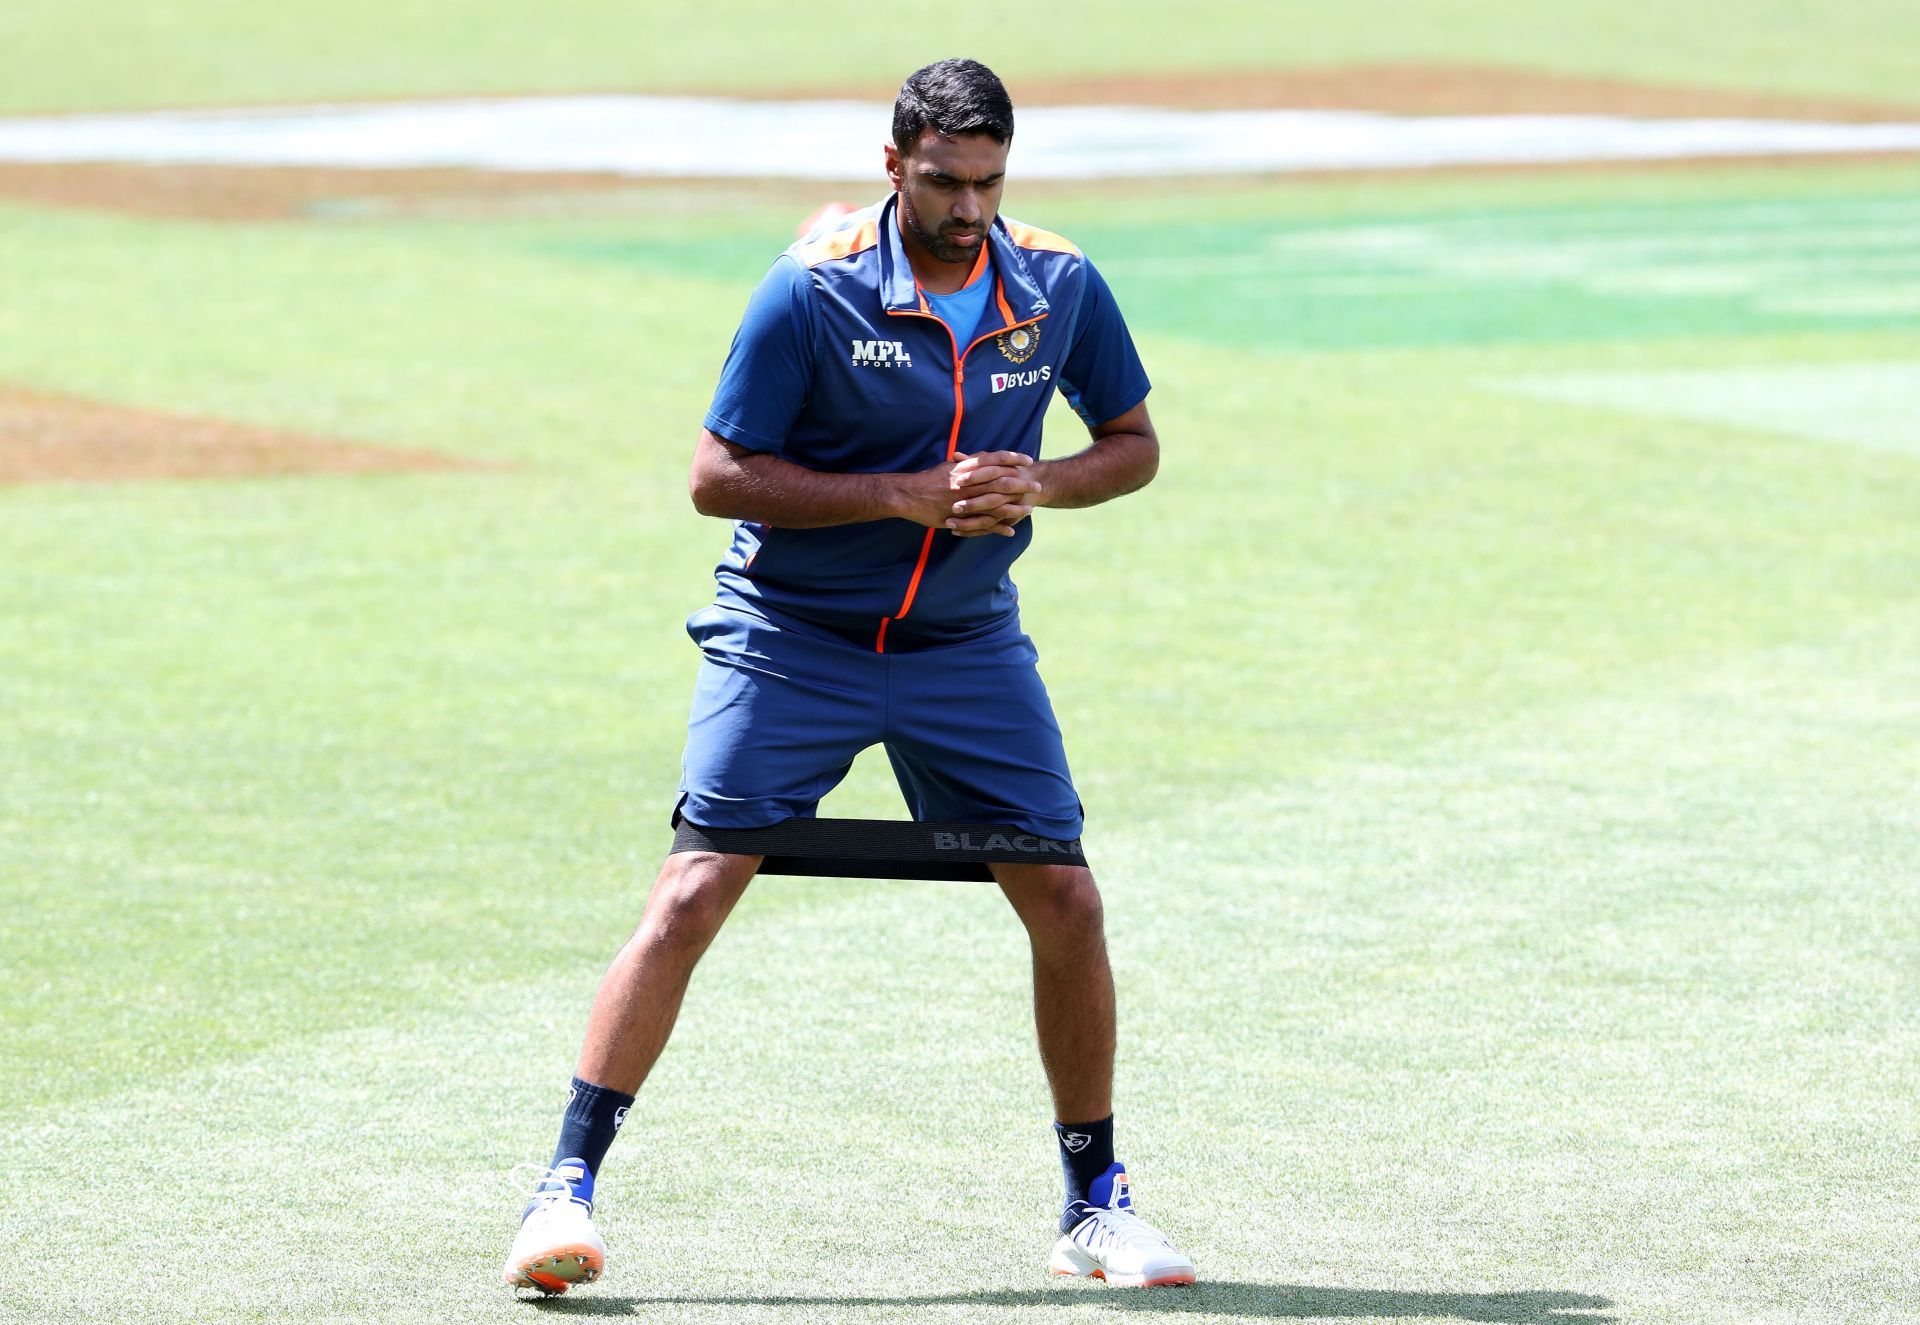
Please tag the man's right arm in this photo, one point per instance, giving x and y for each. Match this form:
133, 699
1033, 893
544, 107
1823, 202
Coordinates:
736, 483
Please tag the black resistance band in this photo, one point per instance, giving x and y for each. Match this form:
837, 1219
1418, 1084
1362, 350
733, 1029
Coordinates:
880, 848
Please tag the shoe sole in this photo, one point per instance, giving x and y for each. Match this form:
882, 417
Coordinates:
557, 1269
1172, 1279
1070, 1262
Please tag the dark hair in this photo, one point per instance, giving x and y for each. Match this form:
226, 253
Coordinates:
952, 97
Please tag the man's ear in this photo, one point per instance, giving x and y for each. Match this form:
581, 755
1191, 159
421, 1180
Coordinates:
896, 167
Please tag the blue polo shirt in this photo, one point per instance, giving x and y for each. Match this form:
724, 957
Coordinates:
841, 365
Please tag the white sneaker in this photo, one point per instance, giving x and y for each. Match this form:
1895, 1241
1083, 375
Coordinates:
557, 1246
1115, 1244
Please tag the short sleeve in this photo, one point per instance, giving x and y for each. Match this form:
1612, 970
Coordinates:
1102, 376
769, 370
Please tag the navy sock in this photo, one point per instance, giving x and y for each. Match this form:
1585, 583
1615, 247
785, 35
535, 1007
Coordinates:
1086, 1152
594, 1114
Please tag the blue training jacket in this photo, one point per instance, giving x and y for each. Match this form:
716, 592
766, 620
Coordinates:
840, 365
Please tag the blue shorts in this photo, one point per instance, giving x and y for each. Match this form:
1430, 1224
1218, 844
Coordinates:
780, 711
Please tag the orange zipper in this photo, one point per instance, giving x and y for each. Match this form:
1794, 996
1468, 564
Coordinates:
953, 434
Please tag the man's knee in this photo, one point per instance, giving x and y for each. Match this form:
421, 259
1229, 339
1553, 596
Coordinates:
693, 896
1054, 899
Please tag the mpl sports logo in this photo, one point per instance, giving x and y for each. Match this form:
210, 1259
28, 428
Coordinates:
881, 354
1008, 381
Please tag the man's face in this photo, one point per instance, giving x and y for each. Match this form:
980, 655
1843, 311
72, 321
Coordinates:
949, 191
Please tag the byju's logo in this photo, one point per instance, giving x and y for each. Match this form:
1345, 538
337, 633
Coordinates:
881, 354
1008, 381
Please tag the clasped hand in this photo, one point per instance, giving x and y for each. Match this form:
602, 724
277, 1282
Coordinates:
986, 493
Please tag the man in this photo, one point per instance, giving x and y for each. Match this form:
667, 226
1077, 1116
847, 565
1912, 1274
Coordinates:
875, 437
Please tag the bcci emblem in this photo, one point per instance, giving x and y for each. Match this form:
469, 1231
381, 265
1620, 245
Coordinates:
1019, 344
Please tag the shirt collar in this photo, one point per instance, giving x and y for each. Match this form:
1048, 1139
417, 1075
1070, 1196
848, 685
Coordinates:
1016, 284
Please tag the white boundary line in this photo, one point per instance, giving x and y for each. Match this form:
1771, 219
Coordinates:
840, 140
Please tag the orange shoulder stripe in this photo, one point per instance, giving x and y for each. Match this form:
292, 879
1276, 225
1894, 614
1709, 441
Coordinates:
1032, 236
841, 243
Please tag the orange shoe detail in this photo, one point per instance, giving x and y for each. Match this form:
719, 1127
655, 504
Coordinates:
559, 1268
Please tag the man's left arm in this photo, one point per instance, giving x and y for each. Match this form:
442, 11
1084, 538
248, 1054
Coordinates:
1123, 457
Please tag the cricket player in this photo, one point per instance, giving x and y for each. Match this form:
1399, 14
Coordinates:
875, 440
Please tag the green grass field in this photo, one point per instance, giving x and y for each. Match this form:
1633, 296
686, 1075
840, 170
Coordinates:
215, 51
1498, 725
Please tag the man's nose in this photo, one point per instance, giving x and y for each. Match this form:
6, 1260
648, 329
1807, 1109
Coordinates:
966, 207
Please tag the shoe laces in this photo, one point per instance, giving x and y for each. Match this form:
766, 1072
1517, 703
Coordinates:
1110, 1226
540, 1184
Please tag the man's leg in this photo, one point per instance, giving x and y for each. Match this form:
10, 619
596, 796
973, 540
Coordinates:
973, 739
639, 996
1072, 984
633, 1014
1073, 1010
1074, 1015
777, 717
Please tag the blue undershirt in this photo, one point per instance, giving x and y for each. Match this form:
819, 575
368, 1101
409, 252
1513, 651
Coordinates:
963, 309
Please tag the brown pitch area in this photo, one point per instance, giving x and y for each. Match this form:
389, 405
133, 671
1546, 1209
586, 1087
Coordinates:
228, 193
46, 438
